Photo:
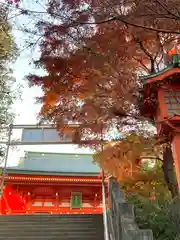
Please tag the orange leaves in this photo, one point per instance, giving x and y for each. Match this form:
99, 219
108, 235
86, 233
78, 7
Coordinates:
51, 98
47, 82
81, 97
122, 159
67, 129
126, 160
76, 79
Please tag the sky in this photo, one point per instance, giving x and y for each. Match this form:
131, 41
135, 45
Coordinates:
26, 108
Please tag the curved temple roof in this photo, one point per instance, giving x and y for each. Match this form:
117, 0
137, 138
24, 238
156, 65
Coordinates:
59, 163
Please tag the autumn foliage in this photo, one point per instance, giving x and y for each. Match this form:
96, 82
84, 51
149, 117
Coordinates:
136, 162
92, 69
15, 3
93, 54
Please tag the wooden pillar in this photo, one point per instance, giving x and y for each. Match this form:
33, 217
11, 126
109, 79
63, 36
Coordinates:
29, 202
57, 202
176, 156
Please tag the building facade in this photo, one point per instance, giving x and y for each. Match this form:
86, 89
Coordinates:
53, 183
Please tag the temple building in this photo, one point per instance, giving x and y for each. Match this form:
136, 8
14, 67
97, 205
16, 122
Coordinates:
53, 183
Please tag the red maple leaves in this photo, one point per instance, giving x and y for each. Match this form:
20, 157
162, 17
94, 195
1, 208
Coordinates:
14, 2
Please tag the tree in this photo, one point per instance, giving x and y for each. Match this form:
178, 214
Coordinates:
137, 163
138, 14
155, 15
6, 41
8, 53
160, 214
115, 62
92, 70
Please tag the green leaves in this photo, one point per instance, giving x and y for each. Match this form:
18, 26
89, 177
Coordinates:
8, 53
161, 215
6, 41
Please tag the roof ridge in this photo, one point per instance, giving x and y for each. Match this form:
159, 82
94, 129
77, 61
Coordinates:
56, 153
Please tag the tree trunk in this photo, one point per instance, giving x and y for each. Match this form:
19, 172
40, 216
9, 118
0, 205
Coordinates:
169, 175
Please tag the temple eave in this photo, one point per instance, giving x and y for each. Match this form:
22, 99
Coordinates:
51, 180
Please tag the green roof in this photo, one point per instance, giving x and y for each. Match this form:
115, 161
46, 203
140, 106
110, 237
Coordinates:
57, 164
157, 73
175, 64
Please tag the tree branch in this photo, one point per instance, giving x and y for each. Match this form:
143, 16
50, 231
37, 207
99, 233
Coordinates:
143, 65
124, 115
123, 20
168, 11
147, 54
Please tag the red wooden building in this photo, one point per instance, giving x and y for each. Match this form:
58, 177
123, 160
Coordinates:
53, 183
